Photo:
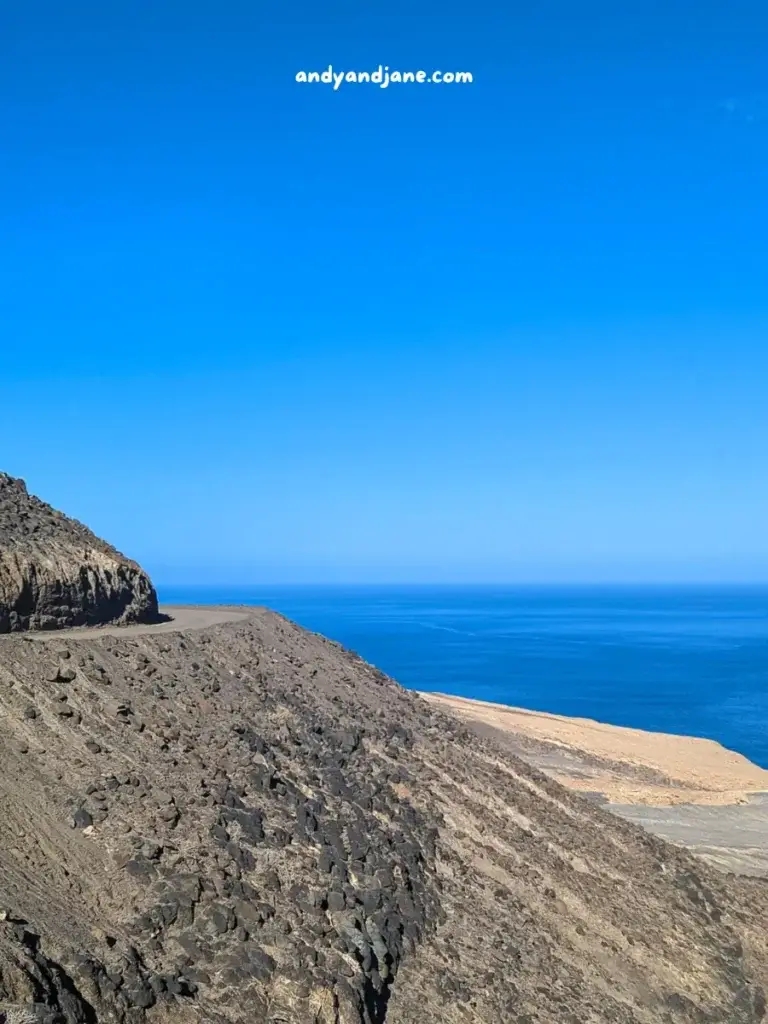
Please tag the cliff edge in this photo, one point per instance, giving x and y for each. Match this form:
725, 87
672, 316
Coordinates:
55, 573
245, 823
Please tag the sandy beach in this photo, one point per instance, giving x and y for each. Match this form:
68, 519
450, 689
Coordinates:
625, 765
691, 791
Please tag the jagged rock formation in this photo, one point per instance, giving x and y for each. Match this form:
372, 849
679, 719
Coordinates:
55, 573
246, 824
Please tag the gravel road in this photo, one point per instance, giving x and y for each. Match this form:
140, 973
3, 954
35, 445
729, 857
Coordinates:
180, 617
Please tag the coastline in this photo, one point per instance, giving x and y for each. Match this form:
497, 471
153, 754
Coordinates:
690, 791
625, 766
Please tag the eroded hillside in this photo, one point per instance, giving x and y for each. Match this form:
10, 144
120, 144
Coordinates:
245, 823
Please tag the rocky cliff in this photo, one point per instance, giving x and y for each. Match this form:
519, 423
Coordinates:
55, 573
245, 823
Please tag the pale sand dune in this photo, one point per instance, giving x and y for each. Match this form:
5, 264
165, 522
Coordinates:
627, 766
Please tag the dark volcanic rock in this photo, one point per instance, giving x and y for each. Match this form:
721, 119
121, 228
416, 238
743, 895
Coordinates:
55, 573
291, 837
287, 848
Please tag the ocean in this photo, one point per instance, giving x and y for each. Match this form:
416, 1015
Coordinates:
685, 660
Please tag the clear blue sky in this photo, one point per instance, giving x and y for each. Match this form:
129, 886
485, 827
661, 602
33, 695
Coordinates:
518, 330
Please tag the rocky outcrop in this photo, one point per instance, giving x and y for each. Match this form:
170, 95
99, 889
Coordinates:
55, 573
246, 824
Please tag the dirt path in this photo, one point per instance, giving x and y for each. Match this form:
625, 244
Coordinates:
643, 775
489, 892
181, 617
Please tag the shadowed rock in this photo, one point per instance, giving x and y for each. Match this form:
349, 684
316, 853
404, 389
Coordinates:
247, 824
55, 573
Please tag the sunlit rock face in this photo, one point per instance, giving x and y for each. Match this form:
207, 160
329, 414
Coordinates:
55, 573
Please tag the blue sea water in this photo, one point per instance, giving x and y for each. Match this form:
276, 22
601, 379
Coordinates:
686, 660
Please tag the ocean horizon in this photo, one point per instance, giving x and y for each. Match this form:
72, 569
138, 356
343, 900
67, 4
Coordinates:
689, 660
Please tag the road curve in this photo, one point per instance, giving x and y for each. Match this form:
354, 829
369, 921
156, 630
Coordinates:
181, 617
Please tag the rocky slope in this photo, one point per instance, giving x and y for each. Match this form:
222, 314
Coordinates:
246, 824
55, 573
